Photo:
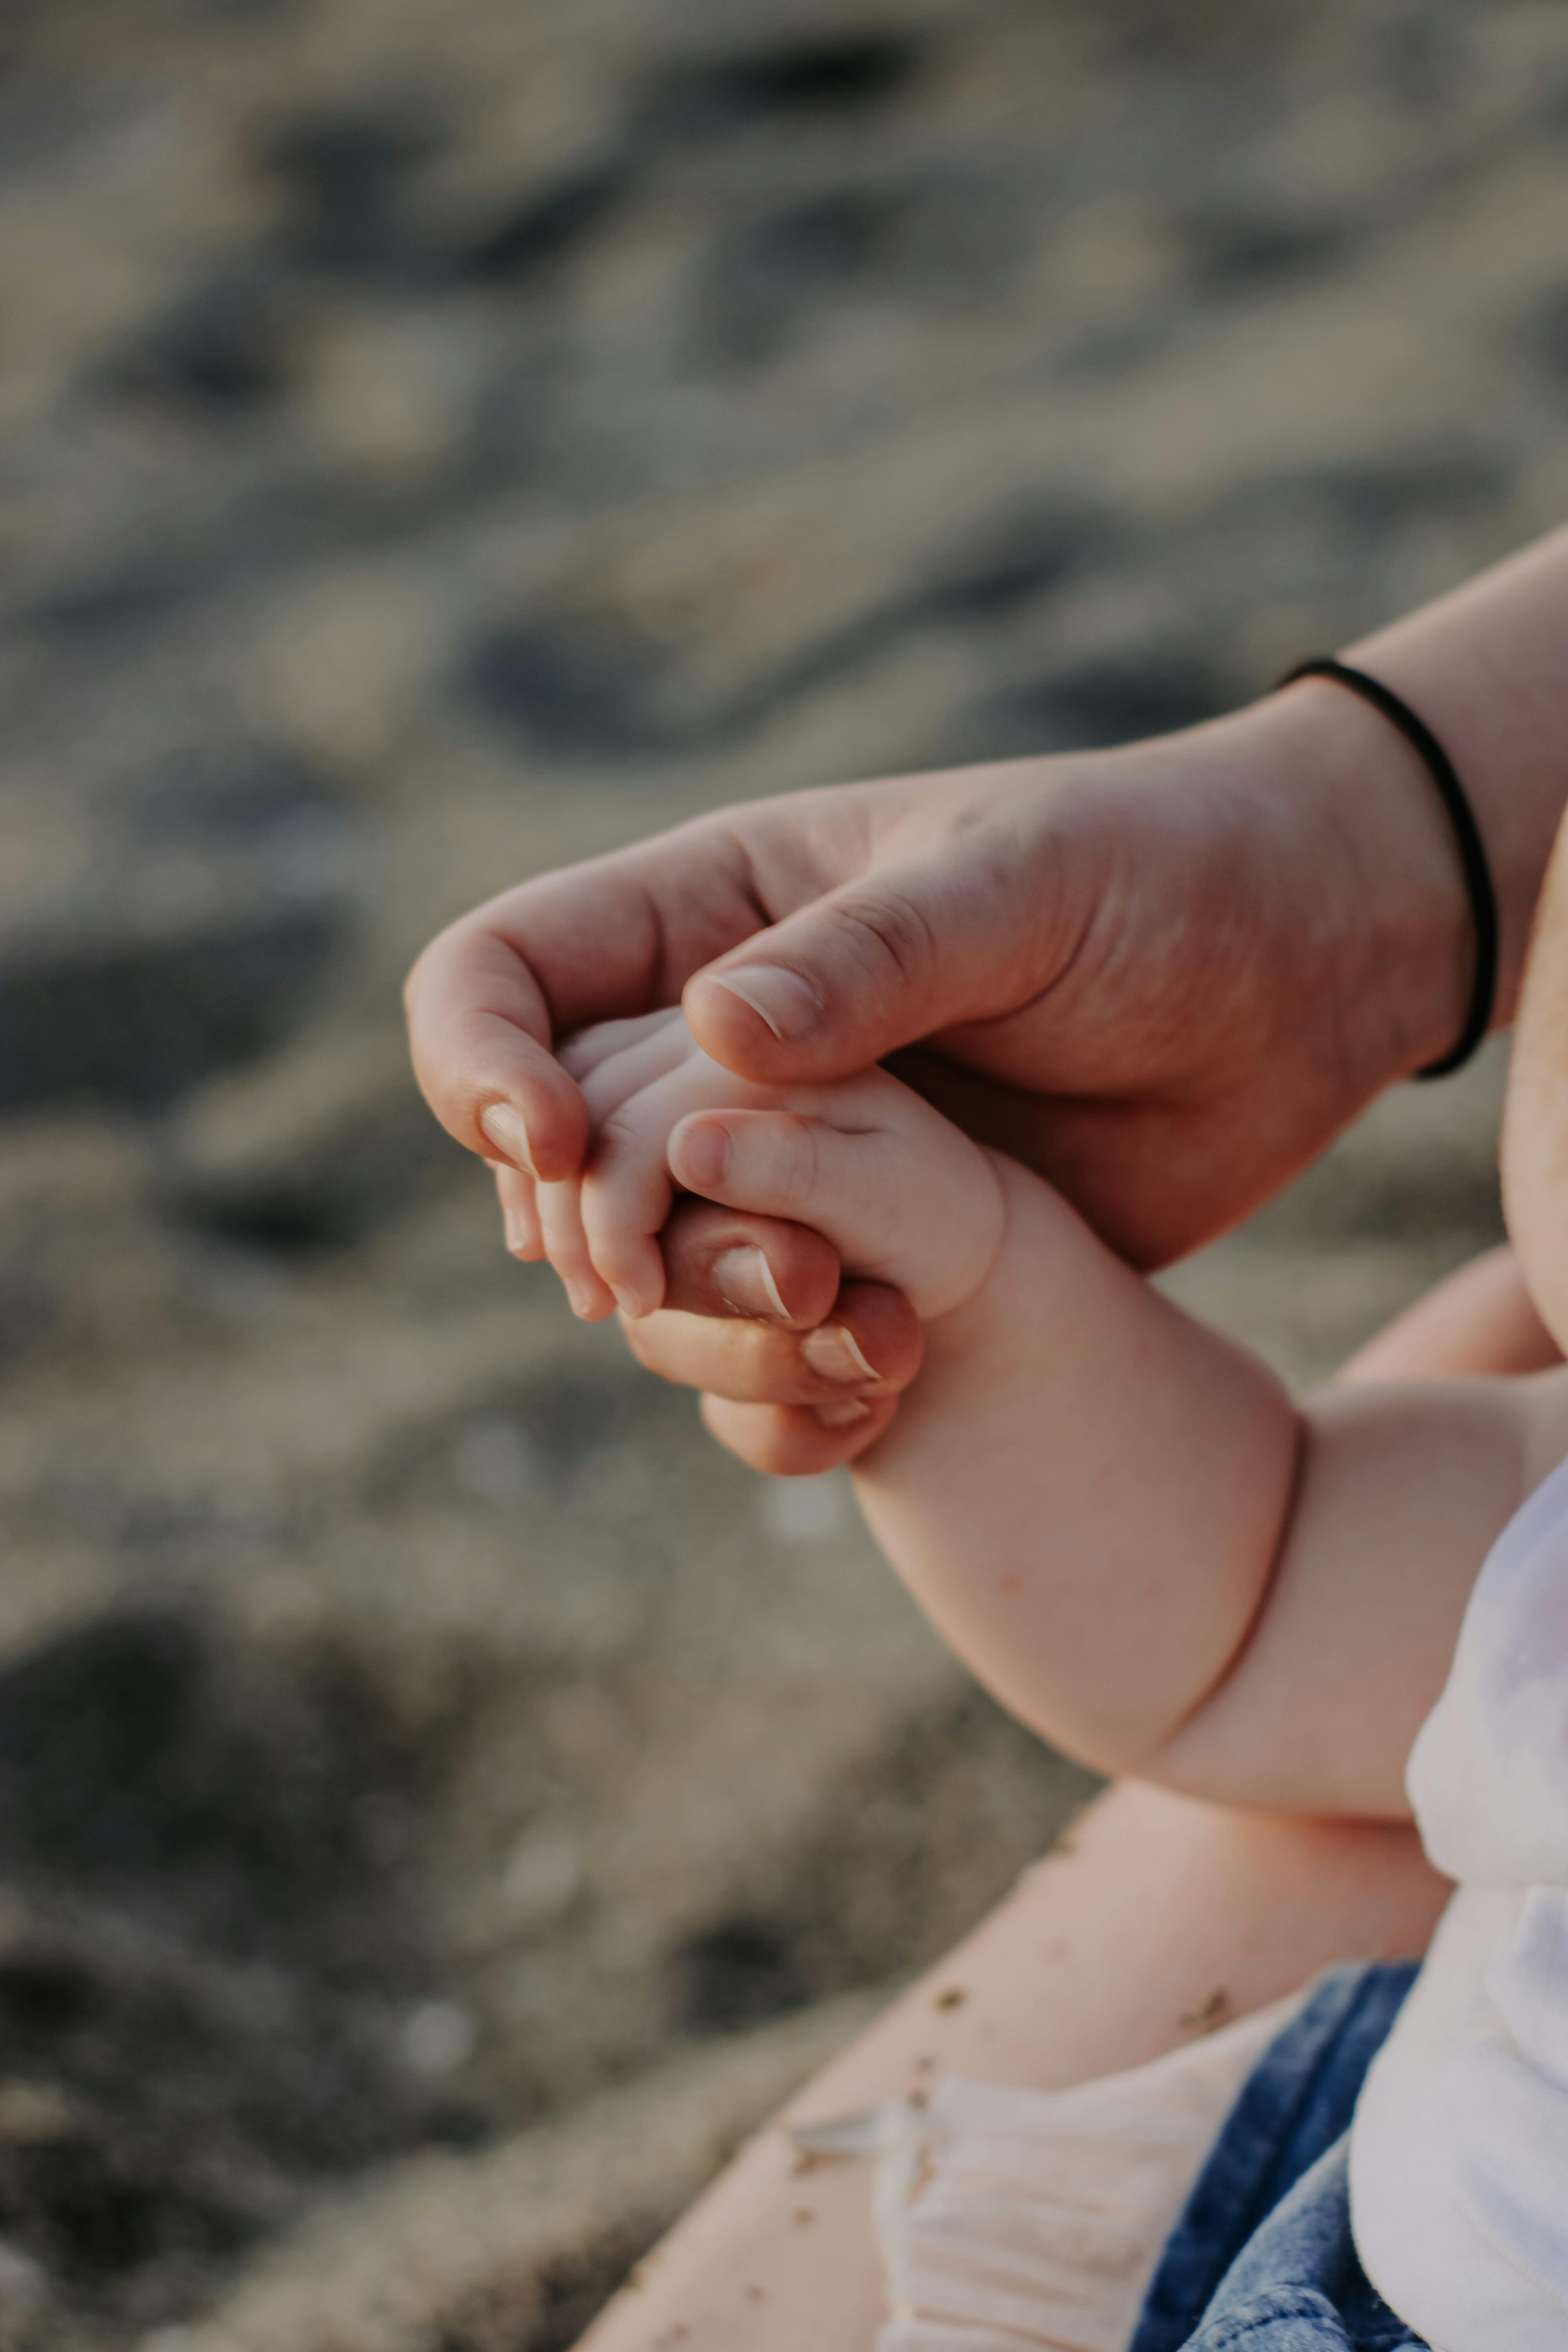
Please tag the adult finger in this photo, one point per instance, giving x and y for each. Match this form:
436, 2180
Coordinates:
869, 1346
607, 940
922, 937
479, 1031
725, 1263
792, 1441
917, 945
566, 1248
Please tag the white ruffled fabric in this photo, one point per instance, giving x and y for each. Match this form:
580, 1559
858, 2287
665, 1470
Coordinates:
1009, 2218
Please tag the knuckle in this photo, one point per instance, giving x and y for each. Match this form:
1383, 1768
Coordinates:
894, 930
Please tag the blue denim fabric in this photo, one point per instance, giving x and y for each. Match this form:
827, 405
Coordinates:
1263, 2255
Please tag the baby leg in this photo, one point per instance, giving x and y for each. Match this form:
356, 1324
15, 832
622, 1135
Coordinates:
1156, 1917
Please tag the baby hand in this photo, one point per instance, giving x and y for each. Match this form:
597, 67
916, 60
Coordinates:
903, 1196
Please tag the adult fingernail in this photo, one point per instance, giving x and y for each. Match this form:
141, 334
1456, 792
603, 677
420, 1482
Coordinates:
839, 1416
790, 1006
506, 1131
704, 1155
744, 1280
831, 1351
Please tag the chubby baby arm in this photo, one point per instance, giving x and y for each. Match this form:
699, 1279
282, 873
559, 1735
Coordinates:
1116, 1517
1180, 1575
1122, 1523
1084, 1489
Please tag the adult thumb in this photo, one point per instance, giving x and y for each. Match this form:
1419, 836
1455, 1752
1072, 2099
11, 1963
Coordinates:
868, 968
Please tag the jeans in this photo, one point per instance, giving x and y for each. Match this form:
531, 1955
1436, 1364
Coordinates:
1263, 2256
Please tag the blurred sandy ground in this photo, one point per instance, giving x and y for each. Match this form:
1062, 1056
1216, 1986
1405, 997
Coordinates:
441, 441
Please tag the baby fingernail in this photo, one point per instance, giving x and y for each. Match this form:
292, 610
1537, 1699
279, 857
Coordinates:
629, 1303
507, 1132
744, 1280
832, 1352
839, 1416
790, 1006
516, 1232
704, 1155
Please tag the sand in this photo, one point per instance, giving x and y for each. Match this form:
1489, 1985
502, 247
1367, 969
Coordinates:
440, 442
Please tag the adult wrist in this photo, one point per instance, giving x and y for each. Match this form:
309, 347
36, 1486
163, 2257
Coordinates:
1323, 817
1484, 667
1397, 934
1474, 863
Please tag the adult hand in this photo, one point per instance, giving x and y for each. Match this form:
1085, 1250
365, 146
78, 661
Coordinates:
1162, 976
799, 1370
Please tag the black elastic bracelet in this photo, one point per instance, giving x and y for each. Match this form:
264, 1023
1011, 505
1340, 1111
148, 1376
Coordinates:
1466, 833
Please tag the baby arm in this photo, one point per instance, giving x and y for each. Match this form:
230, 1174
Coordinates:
1115, 1516
1264, 1601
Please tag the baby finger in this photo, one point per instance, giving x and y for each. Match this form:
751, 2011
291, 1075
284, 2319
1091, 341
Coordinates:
566, 1246
902, 1197
582, 1054
640, 1065
519, 1215
794, 1441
